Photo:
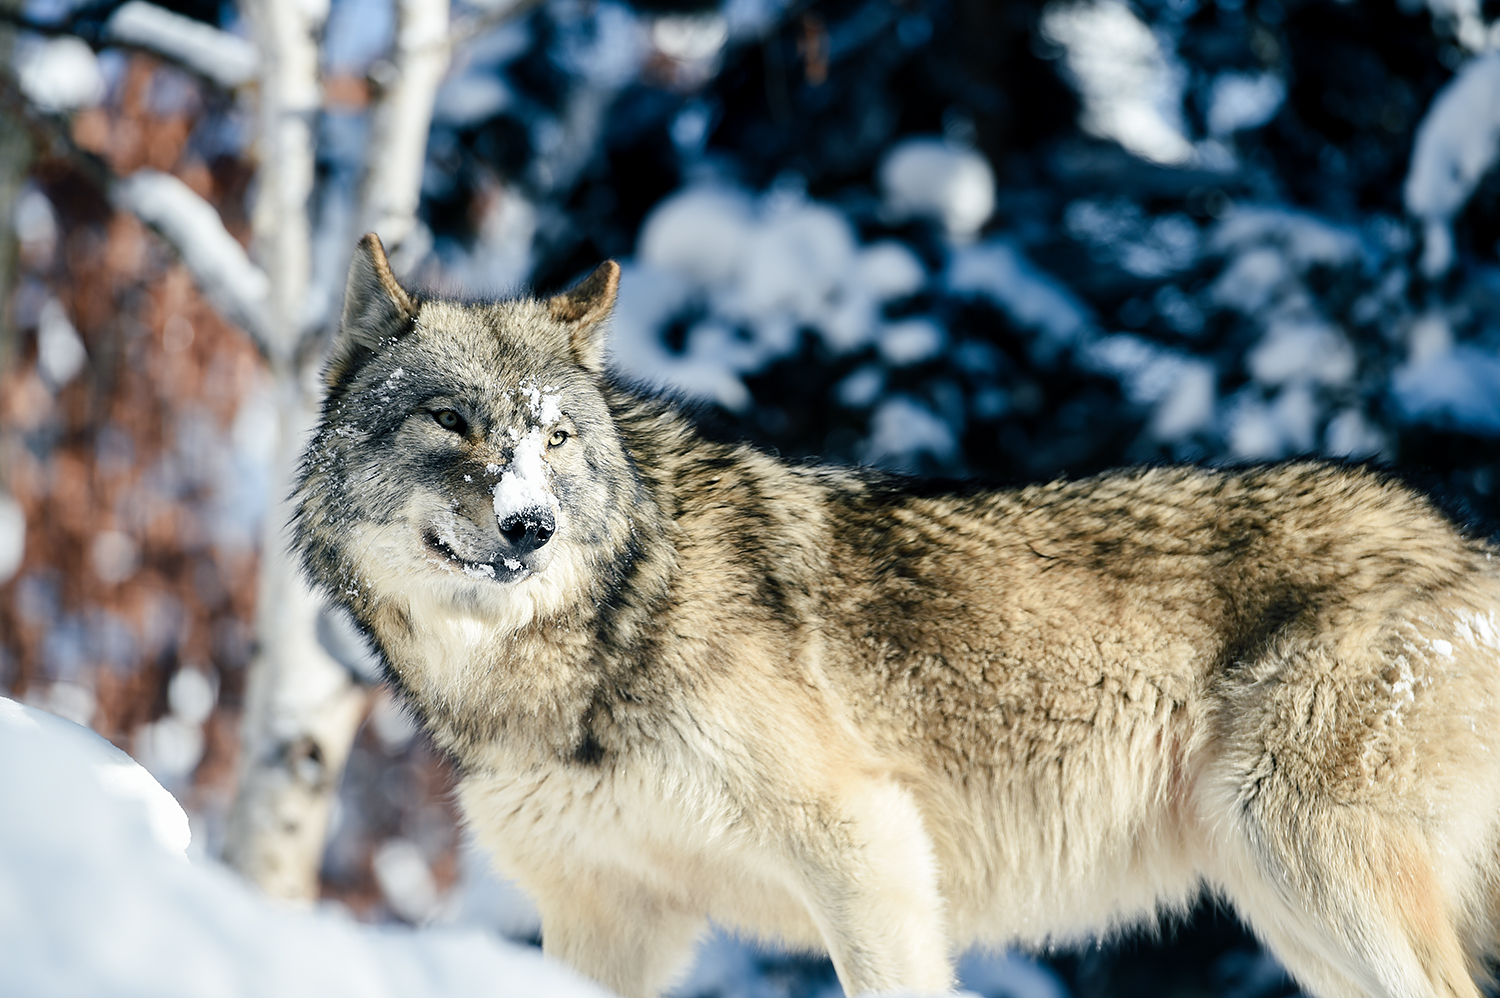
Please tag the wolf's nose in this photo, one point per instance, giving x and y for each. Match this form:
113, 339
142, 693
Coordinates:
528, 530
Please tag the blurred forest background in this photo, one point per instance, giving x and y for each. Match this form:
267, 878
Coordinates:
997, 238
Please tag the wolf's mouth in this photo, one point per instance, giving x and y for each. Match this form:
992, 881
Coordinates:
508, 570
434, 542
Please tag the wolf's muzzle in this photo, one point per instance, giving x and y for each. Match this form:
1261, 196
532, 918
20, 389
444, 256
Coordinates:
528, 530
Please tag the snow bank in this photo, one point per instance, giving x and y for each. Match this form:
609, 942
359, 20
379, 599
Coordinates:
97, 897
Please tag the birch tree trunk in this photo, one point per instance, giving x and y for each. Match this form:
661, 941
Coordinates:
303, 708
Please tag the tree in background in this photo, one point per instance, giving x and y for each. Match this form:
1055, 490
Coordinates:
1012, 240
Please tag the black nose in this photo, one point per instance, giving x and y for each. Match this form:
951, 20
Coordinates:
528, 530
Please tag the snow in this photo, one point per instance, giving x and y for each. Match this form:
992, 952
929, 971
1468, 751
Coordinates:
97, 897
1188, 406
1459, 388
1131, 89
470, 99
406, 880
700, 233
1350, 434
795, 262
170, 748
753, 271
35, 224
1262, 431
888, 270
543, 402
1304, 239
690, 38
911, 342
12, 536
929, 178
1302, 350
605, 49
502, 254
861, 387
114, 556
523, 482
1478, 628
1251, 280
59, 74
1033, 299
901, 429
1119, 230
191, 694
60, 351
226, 59
1239, 101
1456, 145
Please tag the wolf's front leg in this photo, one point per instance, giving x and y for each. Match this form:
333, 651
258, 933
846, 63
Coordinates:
868, 868
616, 930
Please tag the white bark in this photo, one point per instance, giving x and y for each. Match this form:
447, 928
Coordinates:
402, 118
290, 99
302, 707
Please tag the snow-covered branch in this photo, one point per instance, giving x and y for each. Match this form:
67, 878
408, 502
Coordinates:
236, 286
218, 56
226, 59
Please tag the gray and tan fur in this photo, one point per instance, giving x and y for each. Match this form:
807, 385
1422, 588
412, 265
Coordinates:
688, 681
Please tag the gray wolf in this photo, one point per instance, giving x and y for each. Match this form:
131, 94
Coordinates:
684, 680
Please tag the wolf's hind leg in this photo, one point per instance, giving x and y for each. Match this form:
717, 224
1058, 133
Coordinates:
1347, 898
618, 932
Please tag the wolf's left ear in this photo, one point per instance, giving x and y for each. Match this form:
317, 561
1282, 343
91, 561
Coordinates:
583, 309
375, 309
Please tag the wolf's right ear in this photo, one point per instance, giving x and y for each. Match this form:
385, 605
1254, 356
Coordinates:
583, 309
376, 308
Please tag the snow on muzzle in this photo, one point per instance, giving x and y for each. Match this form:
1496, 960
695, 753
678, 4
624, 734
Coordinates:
525, 508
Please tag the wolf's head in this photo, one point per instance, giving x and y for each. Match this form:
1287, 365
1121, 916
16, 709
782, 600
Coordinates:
466, 453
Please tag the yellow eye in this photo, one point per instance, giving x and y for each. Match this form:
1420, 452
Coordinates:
558, 438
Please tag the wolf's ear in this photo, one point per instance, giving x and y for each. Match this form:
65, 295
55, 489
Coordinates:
375, 309
583, 309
